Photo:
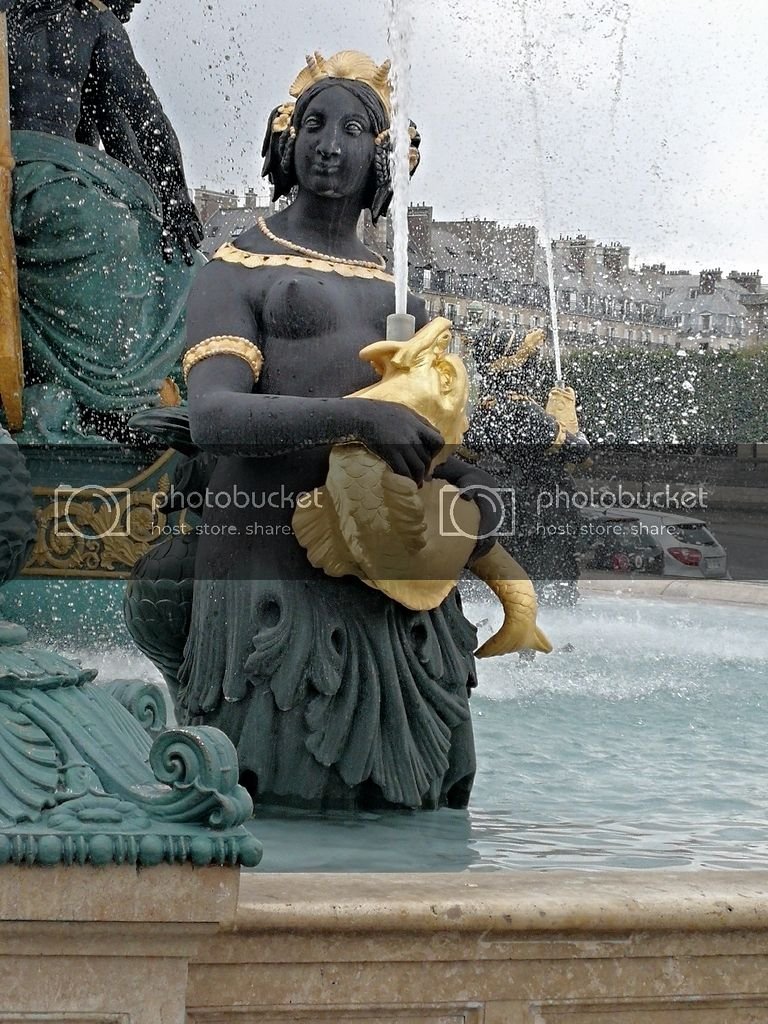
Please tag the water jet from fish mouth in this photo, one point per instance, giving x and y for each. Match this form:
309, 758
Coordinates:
400, 31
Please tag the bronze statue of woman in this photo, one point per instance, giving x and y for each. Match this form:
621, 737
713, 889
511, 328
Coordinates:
334, 694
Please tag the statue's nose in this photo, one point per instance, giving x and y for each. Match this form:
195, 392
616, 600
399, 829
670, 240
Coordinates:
328, 144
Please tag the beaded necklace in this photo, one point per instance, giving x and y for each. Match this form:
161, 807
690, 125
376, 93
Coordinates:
313, 253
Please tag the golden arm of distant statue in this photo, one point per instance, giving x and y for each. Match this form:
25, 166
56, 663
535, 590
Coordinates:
513, 360
411, 542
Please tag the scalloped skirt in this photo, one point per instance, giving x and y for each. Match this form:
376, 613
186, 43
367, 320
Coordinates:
334, 695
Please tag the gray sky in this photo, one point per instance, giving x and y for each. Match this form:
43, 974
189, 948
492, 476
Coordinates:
653, 114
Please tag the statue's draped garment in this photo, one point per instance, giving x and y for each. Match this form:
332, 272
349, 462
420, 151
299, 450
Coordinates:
324, 685
101, 311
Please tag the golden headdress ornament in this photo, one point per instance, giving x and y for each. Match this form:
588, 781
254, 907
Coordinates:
350, 64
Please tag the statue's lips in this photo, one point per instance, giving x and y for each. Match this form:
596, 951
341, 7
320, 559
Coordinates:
326, 170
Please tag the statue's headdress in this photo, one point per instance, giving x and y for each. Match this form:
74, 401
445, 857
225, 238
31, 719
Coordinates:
349, 64
354, 67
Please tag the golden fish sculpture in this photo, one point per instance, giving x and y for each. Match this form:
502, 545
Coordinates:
413, 542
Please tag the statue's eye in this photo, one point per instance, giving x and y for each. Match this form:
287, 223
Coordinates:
355, 128
312, 121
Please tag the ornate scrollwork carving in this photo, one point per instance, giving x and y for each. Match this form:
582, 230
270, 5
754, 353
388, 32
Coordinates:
200, 765
145, 701
95, 531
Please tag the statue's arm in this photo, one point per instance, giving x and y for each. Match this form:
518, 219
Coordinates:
106, 123
87, 133
121, 84
228, 417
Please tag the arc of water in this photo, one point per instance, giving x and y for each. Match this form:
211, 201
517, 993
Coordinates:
544, 192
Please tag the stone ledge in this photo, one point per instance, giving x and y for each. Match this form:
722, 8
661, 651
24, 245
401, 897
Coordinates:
166, 893
731, 592
511, 902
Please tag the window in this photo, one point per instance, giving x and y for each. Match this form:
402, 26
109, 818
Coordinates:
450, 310
427, 282
692, 293
706, 321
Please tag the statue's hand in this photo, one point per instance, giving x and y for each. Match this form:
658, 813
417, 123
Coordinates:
476, 485
561, 403
182, 229
405, 441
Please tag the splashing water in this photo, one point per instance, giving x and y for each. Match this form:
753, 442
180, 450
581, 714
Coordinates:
530, 78
400, 31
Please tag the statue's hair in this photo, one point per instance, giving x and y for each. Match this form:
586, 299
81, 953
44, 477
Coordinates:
278, 148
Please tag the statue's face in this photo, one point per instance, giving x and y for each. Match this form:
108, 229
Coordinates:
334, 145
122, 9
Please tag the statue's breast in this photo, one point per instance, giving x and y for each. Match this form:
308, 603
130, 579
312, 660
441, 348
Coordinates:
302, 305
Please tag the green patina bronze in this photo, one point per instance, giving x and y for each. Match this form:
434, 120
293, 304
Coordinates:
87, 772
101, 312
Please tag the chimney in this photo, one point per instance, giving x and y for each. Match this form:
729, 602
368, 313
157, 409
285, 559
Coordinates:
708, 280
749, 282
251, 199
420, 229
615, 258
577, 257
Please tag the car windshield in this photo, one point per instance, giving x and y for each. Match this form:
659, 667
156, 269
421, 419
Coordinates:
693, 533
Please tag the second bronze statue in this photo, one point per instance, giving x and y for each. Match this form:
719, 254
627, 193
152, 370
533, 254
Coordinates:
335, 693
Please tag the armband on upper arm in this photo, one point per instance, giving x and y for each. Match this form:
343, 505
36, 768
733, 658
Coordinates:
226, 345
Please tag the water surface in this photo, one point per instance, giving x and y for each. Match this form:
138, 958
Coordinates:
639, 743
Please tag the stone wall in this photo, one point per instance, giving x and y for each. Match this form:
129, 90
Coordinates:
174, 945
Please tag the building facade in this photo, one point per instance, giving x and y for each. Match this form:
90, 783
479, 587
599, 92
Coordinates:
480, 273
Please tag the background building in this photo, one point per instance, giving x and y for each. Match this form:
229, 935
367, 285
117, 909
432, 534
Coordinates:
225, 215
478, 272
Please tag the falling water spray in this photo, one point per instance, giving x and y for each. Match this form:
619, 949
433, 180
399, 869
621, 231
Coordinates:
544, 194
400, 324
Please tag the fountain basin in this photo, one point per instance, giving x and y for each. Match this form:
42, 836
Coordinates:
398, 932
179, 946
640, 747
